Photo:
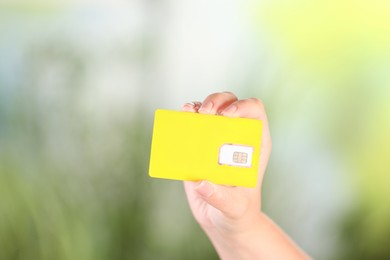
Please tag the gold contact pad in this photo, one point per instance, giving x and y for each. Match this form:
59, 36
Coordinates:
239, 157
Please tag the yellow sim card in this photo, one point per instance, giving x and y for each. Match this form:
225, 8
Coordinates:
191, 146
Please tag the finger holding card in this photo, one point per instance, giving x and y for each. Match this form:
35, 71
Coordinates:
194, 147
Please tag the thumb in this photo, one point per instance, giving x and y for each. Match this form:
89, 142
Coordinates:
229, 200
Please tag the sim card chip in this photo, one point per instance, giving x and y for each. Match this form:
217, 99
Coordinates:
239, 157
235, 155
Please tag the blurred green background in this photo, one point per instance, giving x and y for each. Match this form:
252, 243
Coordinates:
80, 80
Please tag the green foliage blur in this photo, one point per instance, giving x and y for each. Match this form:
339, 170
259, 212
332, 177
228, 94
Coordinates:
74, 185
340, 50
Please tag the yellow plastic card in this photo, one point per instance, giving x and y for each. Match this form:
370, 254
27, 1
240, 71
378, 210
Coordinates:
191, 146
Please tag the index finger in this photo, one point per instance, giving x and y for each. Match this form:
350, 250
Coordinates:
217, 102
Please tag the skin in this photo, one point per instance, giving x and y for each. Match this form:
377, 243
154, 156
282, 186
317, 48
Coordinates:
231, 216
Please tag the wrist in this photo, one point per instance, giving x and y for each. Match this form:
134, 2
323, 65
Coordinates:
263, 239
234, 240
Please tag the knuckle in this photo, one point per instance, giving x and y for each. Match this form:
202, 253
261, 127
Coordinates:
229, 94
211, 96
214, 96
252, 101
257, 101
220, 96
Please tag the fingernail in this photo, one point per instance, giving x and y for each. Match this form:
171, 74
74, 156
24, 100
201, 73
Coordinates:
205, 189
229, 110
206, 107
187, 107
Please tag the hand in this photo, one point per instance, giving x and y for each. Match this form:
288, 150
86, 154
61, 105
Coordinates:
231, 216
228, 209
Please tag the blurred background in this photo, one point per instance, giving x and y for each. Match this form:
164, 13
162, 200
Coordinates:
79, 83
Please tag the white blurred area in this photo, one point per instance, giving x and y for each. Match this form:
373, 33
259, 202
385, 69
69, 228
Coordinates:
161, 54
192, 48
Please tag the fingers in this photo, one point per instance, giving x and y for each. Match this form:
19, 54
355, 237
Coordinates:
226, 104
253, 108
213, 104
191, 106
217, 102
249, 108
231, 203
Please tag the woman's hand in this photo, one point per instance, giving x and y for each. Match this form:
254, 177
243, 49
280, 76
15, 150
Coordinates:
231, 216
222, 207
